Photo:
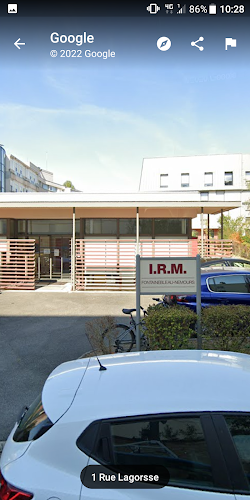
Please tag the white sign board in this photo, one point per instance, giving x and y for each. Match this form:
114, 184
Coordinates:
175, 276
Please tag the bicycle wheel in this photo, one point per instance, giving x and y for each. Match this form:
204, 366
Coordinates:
119, 338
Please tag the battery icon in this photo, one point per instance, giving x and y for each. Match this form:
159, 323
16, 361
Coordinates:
212, 8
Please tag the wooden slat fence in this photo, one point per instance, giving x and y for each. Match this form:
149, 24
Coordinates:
17, 264
216, 248
110, 264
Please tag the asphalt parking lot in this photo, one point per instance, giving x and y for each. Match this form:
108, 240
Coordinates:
38, 331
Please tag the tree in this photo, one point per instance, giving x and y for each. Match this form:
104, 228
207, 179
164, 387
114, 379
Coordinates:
235, 229
68, 184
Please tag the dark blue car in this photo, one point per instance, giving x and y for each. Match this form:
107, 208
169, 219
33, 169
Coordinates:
220, 287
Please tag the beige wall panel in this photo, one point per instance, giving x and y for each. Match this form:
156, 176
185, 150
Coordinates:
67, 213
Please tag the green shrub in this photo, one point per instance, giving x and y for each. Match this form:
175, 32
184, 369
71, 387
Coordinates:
226, 328
169, 327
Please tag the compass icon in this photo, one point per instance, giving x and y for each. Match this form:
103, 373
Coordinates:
163, 43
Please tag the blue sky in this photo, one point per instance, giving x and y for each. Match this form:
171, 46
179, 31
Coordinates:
95, 122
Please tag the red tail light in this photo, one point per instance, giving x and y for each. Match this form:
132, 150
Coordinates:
8, 492
181, 298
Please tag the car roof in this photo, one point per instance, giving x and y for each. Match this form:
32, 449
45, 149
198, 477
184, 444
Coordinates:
207, 262
140, 383
223, 271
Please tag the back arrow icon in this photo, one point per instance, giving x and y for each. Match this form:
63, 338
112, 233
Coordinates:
17, 43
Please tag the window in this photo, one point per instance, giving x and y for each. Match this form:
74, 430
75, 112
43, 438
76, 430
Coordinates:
145, 227
3, 227
101, 226
247, 176
208, 179
239, 427
127, 227
231, 283
228, 178
176, 443
164, 180
59, 227
33, 423
204, 196
170, 227
184, 180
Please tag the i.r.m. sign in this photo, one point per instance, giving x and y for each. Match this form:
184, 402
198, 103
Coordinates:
168, 276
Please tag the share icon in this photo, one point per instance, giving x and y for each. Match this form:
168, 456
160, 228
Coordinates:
198, 46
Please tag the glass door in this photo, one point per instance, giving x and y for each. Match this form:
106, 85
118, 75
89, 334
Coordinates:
45, 265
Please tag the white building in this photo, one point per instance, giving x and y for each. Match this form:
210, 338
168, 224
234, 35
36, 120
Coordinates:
20, 177
215, 177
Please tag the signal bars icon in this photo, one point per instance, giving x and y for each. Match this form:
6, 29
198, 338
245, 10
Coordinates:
182, 10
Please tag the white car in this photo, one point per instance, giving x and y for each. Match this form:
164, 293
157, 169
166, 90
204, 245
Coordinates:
184, 412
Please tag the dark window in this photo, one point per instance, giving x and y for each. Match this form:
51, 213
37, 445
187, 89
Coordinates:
21, 225
230, 283
204, 195
228, 178
164, 180
239, 427
3, 227
47, 227
127, 226
170, 227
100, 226
33, 424
247, 176
184, 180
86, 440
175, 443
208, 178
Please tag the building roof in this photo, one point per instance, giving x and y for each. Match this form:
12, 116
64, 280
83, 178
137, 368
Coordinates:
189, 199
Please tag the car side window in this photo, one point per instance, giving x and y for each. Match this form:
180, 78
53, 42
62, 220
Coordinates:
230, 283
239, 427
175, 443
33, 423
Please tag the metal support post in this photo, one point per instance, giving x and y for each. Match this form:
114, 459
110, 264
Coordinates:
202, 233
50, 268
61, 267
39, 268
137, 232
73, 263
208, 236
198, 301
222, 224
138, 304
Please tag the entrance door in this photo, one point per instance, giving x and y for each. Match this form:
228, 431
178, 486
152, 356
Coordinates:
54, 254
45, 256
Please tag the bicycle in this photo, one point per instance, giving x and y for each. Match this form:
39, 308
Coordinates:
121, 337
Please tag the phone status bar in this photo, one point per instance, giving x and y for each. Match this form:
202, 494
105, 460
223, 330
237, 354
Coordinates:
129, 8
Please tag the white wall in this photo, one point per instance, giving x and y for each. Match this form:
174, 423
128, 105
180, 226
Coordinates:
196, 166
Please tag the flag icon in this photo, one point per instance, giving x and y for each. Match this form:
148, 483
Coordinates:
230, 42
